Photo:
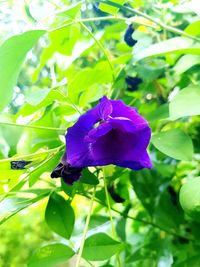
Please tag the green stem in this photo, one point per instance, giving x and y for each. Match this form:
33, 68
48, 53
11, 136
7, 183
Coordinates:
110, 215
144, 15
19, 185
85, 229
140, 220
32, 126
102, 48
129, 20
29, 156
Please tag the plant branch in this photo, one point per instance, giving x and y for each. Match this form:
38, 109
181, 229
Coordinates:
32, 126
139, 220
110, 215
102, 49
129, 20
144, 15
85, 229
29, 156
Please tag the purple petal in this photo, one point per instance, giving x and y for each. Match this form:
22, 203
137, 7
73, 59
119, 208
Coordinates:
121, 138
118, 146
77, 149
105, 108
143, 162
122, 110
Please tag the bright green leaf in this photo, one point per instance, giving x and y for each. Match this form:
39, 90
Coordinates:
185, 63
193, 28
109, 8
185, 103
176, 45
50, 255
190, 197
100, 247
12, 59
59, 215
174, 143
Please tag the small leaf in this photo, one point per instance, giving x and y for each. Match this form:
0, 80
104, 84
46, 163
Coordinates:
59, 215
176, 45
190, 197
100, 247
193, 28
46, 167
185, 103
12, 59
50, 255
185, 63
174, 143
109, 8
88, 178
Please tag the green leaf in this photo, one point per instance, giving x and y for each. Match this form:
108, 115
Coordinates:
193, 28
50, 255
89, 178
100, 247
176, 45
59, 215
174, 143
12, 59
12, 205
36, 97
185, 103
85, 79
109, 8
72, 11
47, 167
185, 63
190, 197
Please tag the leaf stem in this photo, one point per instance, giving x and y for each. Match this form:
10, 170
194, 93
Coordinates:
21, 183
144, 15
29, 156
130, 20
102, 48
32, 126
140, 220
110, 215
85, 229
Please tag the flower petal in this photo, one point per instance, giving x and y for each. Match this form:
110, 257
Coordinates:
122, 110
105, 108
143, 162
77, 149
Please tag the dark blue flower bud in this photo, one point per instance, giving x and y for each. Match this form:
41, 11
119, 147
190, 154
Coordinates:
132, 83
115, 196
128, 36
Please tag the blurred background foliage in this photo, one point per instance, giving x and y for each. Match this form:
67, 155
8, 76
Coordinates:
64, 56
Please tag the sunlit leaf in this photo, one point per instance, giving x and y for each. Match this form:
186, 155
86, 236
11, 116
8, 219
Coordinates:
59, 216
174, 143
50, 255
100, 247
185, 103
12, 59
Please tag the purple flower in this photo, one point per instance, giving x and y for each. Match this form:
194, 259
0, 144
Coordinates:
110, 133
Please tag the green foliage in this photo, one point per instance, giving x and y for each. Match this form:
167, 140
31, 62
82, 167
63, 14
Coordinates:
100, 247
185, 103
190, 198
47, 79
59, 215
12, 54
51, 255
174, 143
